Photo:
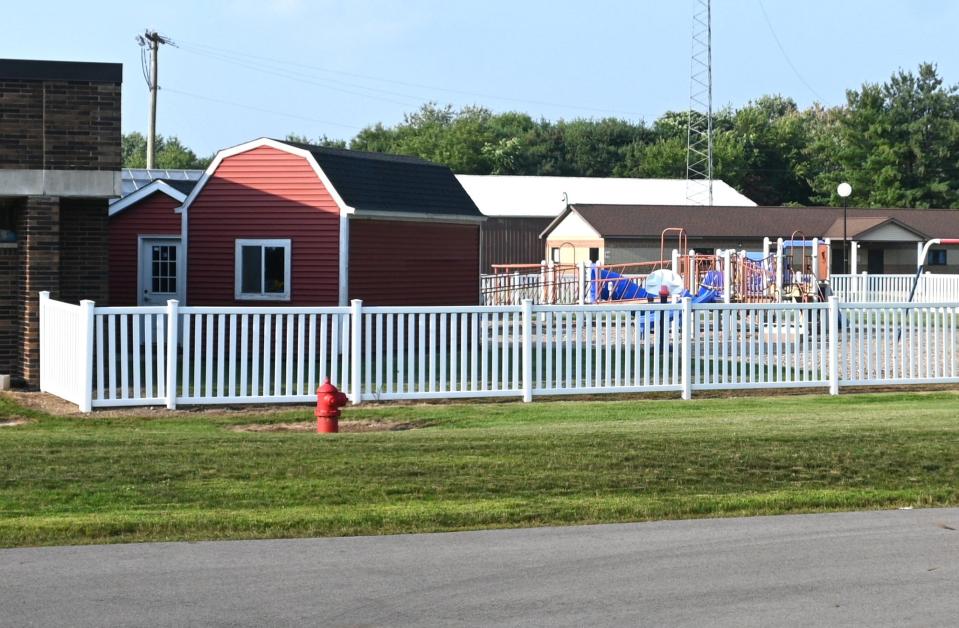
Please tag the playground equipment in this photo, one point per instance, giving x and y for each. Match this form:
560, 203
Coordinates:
785, 270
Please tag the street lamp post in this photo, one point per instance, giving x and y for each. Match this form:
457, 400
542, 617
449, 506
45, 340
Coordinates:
844, 190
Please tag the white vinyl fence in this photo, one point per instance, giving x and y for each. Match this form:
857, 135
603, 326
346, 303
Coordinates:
866, 288
124, 356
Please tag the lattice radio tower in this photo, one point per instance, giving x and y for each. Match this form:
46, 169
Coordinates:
699, 136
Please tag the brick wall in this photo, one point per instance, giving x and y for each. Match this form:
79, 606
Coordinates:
59, 125
9, 312
83, 250
39, 234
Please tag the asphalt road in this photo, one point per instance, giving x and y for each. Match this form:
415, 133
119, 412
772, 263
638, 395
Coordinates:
891, 568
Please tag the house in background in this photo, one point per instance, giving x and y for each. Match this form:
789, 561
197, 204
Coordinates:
274, 222
59, 166
519, 208
620, 234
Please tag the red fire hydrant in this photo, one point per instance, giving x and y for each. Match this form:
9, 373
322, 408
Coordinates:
329, 400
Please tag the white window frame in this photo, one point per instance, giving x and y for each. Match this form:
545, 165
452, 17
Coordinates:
287, 245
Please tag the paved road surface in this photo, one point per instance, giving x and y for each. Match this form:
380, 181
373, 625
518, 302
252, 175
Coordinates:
892, 568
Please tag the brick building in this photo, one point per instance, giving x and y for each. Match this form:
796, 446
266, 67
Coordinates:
59, 164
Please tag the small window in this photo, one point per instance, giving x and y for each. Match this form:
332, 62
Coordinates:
937, 257
554, 254
7, 223
263, 269
594, 254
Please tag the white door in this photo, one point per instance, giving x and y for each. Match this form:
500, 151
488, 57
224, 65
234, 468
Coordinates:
160, 270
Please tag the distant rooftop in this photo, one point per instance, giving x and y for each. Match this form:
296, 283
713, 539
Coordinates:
513, 196
136, 178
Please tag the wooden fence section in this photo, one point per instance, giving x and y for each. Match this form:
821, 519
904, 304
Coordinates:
101, 357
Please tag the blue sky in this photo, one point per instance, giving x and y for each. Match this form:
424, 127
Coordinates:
249, 68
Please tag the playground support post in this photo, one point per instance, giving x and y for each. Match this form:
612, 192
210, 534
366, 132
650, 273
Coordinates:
692, 272
815, 261
727, 277
542, 282
853, 257
767, 244
779, 266
581, 282
675, 261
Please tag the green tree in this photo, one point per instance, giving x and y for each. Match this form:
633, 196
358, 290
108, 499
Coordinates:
896, 143
170, 153
323, 140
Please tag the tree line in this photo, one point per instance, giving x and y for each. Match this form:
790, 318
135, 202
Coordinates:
896, 142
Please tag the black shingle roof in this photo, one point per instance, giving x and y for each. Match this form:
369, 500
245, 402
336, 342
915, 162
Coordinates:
392, 183
181, 185
38, 70
648, 221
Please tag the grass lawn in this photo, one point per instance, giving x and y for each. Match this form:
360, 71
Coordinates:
67, 480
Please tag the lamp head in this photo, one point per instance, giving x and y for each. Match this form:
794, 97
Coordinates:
844, 189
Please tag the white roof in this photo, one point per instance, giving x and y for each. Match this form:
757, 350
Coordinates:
507, 195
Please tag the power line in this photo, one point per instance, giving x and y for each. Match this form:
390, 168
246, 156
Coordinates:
300, 77
772, 32
258, 109
197, 48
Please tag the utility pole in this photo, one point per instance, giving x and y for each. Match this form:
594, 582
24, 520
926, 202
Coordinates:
151, 40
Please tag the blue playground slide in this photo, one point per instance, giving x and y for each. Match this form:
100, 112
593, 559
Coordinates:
626, 289
623, 288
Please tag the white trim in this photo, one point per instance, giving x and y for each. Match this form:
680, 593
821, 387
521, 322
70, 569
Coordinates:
344, 261
184, 243
287, 245
147, 190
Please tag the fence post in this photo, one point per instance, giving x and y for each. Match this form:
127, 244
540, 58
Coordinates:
172, 336
527, 350
86, 354
685, 358
44, 339
833, 346
356, 361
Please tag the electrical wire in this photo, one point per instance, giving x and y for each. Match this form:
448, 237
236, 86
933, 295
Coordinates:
300, 77
198, 48
772, 32
258, 109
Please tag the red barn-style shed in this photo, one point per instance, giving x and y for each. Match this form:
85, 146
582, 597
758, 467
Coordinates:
294, 224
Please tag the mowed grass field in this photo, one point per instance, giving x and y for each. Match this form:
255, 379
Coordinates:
66, 480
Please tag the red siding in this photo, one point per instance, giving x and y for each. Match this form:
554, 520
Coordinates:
154, 215
414, 263
263, 193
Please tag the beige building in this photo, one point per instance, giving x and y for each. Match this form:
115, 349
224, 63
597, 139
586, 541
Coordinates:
887, 239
